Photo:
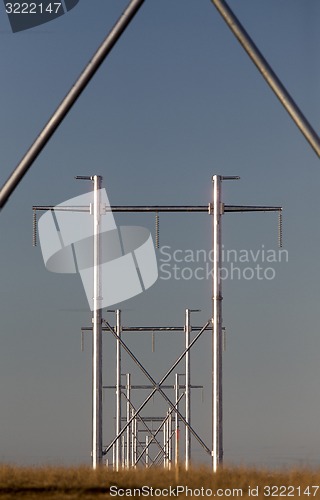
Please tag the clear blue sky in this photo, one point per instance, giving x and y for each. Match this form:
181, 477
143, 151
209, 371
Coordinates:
176, 102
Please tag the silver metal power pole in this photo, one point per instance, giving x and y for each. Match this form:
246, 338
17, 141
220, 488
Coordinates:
170, 438
118, 392
113, 456
135, 442
132, 438
128, 396
147, 450
217, 431
176, 458
187, 390
165, 442
123, 441
217, 338
97, 330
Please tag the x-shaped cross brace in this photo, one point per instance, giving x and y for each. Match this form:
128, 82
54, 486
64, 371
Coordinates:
157, 386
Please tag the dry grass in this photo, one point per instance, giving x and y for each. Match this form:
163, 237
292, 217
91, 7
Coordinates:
83, 483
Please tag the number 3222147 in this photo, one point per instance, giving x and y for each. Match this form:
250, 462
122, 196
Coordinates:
32, 8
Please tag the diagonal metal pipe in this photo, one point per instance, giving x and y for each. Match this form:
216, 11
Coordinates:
69, 100
268, 74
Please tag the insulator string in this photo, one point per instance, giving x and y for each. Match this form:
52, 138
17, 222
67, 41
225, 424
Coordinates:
157, 230
34, 232
280, 229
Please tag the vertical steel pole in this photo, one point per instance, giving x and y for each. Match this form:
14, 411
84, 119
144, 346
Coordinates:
147, 450
187, 390
123, 439
176, 461
217, 431
97, 330
132, 439
165, 456
118, 392
135, 448
170, 438
128, 418
167, 441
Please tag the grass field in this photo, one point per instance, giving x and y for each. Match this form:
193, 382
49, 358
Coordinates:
83, 483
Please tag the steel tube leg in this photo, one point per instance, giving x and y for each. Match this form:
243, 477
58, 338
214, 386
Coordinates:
128, 419
188, 410
176, 461
118, 393
170, 438
217, 430
147, 450
97, 332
